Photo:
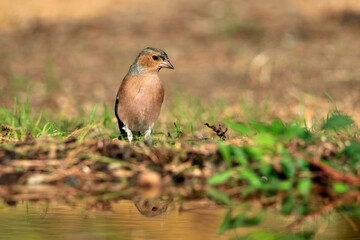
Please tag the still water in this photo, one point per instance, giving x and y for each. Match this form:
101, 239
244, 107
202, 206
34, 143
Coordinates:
127, 219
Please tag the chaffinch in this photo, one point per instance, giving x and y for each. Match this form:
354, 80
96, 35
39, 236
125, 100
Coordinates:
141, 93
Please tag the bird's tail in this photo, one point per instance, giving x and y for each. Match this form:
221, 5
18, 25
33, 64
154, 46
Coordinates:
120, 123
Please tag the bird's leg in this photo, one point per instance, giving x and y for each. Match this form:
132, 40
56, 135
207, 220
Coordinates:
147, 136
128, 132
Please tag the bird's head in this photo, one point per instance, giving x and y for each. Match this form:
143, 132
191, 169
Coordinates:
150, 60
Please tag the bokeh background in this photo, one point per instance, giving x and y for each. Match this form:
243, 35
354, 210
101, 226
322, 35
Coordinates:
65, 56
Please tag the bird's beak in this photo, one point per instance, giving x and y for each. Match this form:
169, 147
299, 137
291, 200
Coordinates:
166, 64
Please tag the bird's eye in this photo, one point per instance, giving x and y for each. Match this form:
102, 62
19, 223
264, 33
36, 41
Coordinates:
155, 57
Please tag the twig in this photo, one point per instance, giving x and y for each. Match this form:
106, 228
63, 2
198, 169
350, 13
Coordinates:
36, 163
219, 132
335, 174
337, 202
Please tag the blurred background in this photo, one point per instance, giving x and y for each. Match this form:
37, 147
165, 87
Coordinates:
66, 56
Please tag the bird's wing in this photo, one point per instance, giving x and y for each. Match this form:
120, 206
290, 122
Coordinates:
125, 104
120, 123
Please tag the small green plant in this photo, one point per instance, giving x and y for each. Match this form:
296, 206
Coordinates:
284, 160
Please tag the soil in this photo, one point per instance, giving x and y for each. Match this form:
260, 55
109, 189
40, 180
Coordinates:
68, 58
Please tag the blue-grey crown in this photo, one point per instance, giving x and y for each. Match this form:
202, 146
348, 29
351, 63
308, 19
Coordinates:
161, 53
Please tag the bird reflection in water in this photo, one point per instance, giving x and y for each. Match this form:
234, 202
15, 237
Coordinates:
151, 207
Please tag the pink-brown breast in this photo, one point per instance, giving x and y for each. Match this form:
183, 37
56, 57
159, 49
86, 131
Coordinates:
140, 100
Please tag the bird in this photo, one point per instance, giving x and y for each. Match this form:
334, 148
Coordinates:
141, 93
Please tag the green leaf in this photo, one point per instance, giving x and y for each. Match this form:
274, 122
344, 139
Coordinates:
302, 164
338, 121
352, 150
340, 188
242, 221
265, 139
219, 196
353, 153
284, 185
253, 179
238, 127
239, 154
287, 165
352, 210
225, 153
295, 131
271, 185
259, 127
93, 113
225, 224
297, 236
304, 187
302, 208
277, 127
219, 178
261, 235
269, 235
255, 152
106, 117
287, 204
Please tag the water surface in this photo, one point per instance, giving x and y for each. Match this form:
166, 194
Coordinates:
160, 220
